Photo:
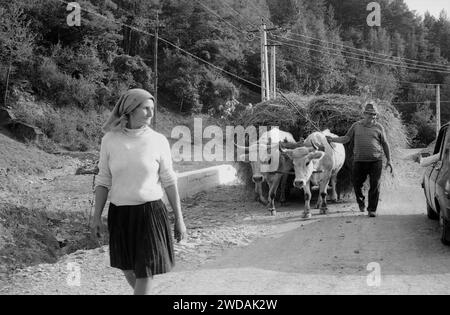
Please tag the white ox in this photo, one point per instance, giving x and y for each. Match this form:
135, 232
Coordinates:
271, 166
317, 167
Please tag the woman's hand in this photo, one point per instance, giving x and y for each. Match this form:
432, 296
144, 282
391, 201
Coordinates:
96, 228
180, 230
389, 166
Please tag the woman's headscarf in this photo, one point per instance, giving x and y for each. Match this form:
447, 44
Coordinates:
127, 103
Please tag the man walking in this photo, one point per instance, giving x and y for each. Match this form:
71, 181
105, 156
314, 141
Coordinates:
369, 143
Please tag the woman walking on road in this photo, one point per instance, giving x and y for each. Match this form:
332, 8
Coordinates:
135, 165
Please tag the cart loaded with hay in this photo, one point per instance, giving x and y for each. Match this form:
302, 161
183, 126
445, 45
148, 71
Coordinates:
302, 116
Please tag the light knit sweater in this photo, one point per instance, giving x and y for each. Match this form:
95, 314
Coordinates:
134, 165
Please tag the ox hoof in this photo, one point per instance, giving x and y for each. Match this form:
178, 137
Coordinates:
324, 211
307, 215
273, 212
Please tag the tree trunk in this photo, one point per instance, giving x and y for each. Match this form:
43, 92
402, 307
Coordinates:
181, 105
129, 42
7, 84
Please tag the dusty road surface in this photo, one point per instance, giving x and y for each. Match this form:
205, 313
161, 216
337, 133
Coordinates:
234, 247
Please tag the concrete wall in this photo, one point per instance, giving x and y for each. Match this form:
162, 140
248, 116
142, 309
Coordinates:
191, 183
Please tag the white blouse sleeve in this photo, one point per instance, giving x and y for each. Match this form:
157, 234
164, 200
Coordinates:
104, 177
166, 173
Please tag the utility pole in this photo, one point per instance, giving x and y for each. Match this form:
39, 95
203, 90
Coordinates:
264, 78
155, 69
438, 108
266, 65
273, 74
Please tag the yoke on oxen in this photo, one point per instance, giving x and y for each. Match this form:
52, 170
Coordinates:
317, 162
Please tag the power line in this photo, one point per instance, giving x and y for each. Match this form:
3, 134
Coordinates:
316, 66
433, 101
341, 70
320, 67
372, 52
181, 49
344, 73
381, 60
296, 107
355, 58
258, 10
204, 61
237, 12
171, 44
290, 103
217, 15
381, 63
425, 64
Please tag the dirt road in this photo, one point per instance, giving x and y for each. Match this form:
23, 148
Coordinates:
235, 248
344, 253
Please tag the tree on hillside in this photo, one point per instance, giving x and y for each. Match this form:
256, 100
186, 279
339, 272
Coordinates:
16, 42
180, 80
132, 72
49, 19
396, 17
440, 34
215, 93
309, 68
138, 14
284, 12
445, 96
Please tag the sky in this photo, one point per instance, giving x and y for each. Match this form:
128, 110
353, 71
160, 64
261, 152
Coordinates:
433, 6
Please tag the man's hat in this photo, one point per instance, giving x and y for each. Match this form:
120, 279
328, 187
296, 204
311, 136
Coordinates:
371, 109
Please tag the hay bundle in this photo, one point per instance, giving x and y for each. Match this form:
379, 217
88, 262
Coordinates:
273, 113
339, 112
334, 112
278, 113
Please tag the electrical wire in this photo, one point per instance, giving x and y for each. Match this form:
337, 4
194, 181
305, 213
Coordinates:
173, 45
382, 61
354, 48
198, 58
301, 47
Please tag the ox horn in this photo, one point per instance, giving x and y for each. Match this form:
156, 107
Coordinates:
271, 146
281, 148
246, 149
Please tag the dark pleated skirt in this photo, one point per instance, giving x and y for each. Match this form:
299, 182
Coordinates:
140, 239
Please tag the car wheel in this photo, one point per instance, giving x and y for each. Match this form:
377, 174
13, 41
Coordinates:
445, 232
432, 215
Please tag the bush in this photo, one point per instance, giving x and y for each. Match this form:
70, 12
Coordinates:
422, 127
82, 60
181, 77
71, 128
63, 89
133, 71
78, 131
216, 94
